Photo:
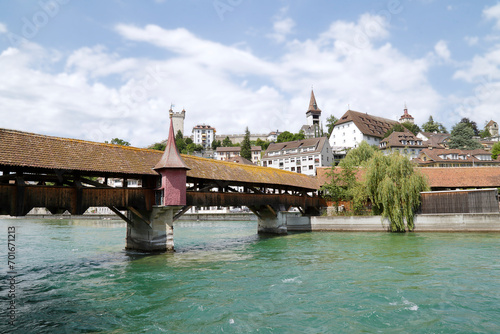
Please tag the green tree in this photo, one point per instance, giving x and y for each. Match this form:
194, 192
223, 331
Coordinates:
227, 142
158, 146
188, 149
299, 136
284, 137
181, 144
359, 156
246, 147
188, 141
461, 137
401, 127
431, 126
470, 124
344, 185
394, 187
264, 144
215, 144
179, 135
330, 123
118, 141
495, 150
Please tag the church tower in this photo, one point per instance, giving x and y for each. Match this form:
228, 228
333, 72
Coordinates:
313, 113
406, 117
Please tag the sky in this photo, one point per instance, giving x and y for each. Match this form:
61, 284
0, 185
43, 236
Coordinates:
103, 69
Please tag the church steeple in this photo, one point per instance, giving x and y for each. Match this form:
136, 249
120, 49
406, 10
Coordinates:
313, 113
313, 106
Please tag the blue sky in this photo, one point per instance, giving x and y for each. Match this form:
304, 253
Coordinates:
102, 69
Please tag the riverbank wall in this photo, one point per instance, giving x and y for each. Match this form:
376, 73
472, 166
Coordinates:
467, 222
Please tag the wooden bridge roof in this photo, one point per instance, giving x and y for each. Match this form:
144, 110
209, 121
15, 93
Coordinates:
41, 153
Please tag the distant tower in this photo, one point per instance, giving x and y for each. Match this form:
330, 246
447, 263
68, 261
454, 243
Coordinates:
406, 117
178, 120
313, 113
492, 128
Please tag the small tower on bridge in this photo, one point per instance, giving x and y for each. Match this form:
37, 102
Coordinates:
173, 171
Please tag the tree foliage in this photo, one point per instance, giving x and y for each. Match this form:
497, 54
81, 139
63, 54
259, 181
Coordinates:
401, 127
431, 126
215, 144
158, 146
394, 187
288, 136
330, 123
118, 141
461, 137
246, 147
495, 151
264, 144
360, 155
470, 124
227, 142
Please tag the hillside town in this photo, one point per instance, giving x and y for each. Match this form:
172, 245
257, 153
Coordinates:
311, 147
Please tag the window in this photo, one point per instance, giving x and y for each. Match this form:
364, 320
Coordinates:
310, 158
293, 169
311, 167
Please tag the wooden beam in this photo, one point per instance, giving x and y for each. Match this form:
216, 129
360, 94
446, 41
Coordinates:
121, 215
180, 213
139, 215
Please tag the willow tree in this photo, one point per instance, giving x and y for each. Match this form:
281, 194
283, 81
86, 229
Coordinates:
394, 186
344, 184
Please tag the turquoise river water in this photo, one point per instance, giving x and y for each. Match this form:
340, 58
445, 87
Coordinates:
75, 277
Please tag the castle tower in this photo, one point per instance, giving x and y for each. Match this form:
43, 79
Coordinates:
313, 113
492, 128
406, 117
178, 120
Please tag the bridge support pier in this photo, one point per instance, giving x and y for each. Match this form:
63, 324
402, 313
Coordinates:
271, 221
152, 231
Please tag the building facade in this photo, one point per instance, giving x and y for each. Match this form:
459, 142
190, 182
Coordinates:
354, 127
204, 135
228, 153
406, 143
300, 156
431, 157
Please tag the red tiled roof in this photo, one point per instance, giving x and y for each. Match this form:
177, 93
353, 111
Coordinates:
45, 154
317, 143
368, 124
445, 177
313, 106
395, 140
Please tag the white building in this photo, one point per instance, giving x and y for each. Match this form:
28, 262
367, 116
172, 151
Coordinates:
300, 156
227, 153
203, 135
354, 127
272, 137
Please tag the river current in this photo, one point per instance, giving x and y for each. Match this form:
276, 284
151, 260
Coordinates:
75, 277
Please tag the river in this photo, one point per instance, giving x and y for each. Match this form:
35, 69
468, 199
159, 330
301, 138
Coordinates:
75, 277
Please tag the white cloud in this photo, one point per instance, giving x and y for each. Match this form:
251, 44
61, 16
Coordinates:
493, 13
441, 49
282, 26
471, 40
3, 28
224, 86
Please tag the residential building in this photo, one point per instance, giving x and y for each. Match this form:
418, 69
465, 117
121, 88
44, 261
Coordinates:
300, 156
354, 127
436, 157
178, 120
228, 153
435, 140
405, 143
203, 135
272, 137
313, 127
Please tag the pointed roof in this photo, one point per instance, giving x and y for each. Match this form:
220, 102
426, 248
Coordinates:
405, 115
313, 106
171, 157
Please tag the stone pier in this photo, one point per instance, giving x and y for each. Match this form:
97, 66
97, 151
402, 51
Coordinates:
152, 231
269, 223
